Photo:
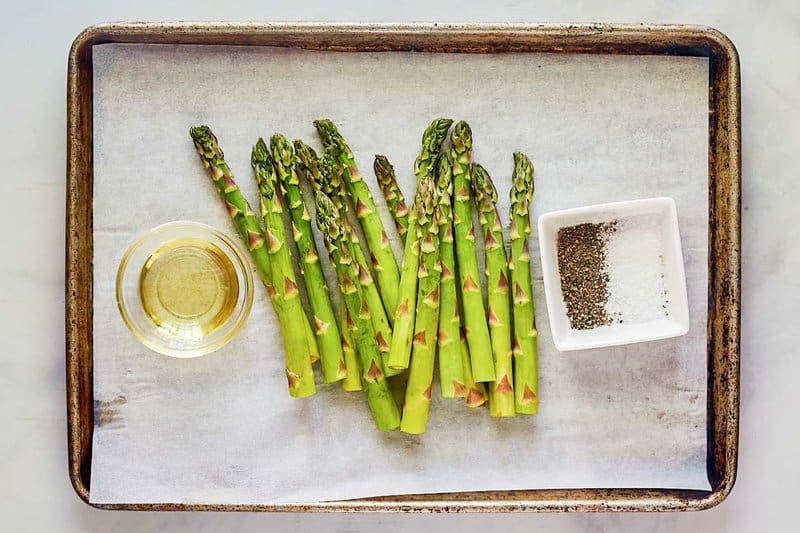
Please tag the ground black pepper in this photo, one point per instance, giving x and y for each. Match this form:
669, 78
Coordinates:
582, 268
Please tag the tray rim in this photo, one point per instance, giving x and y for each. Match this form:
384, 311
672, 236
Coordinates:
723, 347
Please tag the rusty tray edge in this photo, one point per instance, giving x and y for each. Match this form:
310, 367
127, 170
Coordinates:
724, 234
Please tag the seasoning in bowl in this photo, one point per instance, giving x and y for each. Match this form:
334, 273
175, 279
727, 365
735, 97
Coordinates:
584, 275
613, 273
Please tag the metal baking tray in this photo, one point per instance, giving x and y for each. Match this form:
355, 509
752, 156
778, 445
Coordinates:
724, 203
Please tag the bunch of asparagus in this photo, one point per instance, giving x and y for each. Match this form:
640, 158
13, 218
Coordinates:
393, 319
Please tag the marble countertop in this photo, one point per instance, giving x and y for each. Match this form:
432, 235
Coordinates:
36, 495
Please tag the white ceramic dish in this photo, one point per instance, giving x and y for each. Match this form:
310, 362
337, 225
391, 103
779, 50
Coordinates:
676, 319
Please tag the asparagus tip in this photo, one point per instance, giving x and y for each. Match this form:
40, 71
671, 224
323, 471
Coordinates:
281, 149
522, 179
260, 154
327, 131
461, 136
384, 170
522, 165
482, 185
203, 137
304, 150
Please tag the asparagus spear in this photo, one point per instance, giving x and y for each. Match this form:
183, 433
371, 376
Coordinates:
324, 320
395, 201
420, 375
296, 343
325, 176
469, 286
432, 140
400, 352
525, 334
352, 381
501, 391
283, 276
451, 370
311, 339
381, 403
476, 392
384, 263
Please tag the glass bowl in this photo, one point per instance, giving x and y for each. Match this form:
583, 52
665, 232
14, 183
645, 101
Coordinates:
184, 289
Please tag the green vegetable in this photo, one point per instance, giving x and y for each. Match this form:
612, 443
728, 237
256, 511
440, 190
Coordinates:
501, 391
525, 334
395, 201
476, 392
474, 316
400, 352
326, 175
451, 370
423, 355
384, 263
324, 320
405, 314
299, 372
352, 381
384, 410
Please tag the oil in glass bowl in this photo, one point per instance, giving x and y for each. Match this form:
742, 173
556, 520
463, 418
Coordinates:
184, 289
188, 288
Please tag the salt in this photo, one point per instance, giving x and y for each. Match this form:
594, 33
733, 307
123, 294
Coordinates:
635, 268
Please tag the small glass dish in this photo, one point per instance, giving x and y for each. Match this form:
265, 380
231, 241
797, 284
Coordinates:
184, 289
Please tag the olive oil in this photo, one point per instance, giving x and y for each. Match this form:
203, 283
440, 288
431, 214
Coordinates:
188, 288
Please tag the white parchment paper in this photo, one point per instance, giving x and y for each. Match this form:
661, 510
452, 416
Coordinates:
222, 429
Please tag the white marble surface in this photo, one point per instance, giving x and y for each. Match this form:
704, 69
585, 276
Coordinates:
35, 494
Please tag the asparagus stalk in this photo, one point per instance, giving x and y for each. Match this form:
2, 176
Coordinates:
384, 263
395, 201
325, 176
476, 392
480, 348
501, 391
324, 320
381, 403
405, 314
400, 352
296, 343
432, 139
525, 334
352, 381
312, 340
420, 375
451, 370
283, 276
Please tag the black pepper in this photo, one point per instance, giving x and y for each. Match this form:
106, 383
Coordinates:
582, 268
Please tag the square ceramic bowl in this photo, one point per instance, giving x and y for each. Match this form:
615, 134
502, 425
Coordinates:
647, 286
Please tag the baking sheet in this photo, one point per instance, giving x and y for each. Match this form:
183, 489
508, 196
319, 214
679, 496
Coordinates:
222, 429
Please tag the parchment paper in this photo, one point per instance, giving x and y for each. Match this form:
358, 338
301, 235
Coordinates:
222, 428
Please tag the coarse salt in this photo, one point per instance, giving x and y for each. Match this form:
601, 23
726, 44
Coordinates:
635, 268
